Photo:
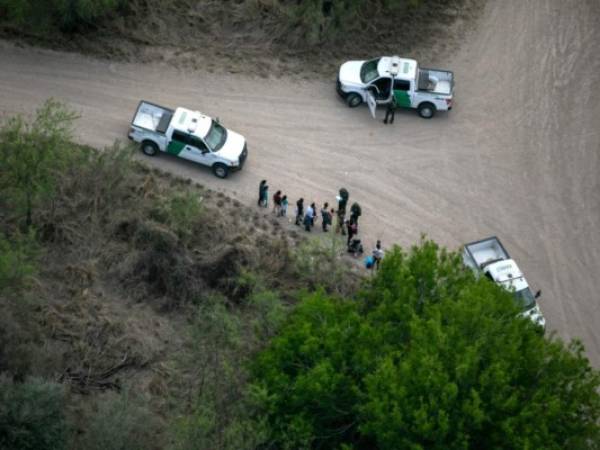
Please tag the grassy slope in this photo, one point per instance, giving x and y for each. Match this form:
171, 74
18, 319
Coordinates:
131, 258
259, 40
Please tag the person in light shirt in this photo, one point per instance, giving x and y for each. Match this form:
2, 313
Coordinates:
308, 217
378, 254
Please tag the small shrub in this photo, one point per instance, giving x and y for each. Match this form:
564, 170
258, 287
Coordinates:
164, 266
321, 264
120, 422
31, 415
17, 262
182, 210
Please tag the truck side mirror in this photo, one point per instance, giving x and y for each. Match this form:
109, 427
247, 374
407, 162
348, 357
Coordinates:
217, 120
538, 293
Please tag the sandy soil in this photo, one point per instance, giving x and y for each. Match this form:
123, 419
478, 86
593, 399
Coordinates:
518, 157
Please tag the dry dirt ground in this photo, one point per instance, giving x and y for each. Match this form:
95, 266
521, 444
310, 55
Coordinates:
518, 157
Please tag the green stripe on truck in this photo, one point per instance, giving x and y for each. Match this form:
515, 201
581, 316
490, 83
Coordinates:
175, 147
402, 98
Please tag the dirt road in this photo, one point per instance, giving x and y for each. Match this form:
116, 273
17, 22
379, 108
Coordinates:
518, 157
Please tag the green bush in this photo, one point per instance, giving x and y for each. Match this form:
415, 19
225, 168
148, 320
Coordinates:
181, 211
66, 14
31, 416
17, 262
425, 357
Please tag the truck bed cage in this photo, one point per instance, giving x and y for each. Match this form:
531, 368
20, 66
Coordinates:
493, 241
152, 117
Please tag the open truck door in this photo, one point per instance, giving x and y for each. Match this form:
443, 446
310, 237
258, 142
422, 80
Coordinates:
371, 102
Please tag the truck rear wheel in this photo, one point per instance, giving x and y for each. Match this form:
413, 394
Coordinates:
353, 100
149, 148
426, 110
220, 170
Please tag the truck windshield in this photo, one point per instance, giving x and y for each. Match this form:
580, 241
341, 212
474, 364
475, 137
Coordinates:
525, 299
216, 136
368, 71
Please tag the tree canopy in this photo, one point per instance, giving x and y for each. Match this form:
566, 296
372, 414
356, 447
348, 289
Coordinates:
426, 356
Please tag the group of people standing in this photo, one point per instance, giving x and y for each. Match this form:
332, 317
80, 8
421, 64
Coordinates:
308, 216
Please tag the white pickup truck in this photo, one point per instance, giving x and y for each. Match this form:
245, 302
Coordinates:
190, 135
489, 257
376, 81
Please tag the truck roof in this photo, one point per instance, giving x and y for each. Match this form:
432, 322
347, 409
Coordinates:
401, 68
508, 274
192, 122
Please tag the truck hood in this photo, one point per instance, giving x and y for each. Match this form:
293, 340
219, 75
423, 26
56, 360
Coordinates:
535, 315
233, 147
350, 73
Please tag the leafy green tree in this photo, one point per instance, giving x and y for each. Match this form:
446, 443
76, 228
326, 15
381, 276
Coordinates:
31, 416
32, 153
427, 357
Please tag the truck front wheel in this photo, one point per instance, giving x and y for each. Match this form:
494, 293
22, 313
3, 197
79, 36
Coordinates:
220, 170
353, 100
426, 110
149, 148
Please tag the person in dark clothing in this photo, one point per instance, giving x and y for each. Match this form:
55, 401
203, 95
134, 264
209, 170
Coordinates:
352, 227
390, 111
355, 212
325, 217
299, 211
277, 203
355, 247
261, 192
342, 199
314, 214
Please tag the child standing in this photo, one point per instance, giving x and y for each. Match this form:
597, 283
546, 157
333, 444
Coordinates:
284, 206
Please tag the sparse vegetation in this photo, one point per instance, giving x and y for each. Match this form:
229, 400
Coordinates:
32, 415
119, 421
117, 262
264, 37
